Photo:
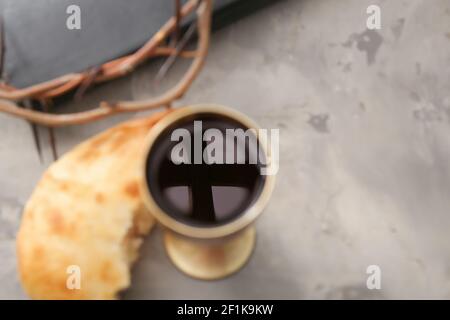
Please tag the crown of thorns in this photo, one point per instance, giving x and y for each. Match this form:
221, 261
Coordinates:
14, 101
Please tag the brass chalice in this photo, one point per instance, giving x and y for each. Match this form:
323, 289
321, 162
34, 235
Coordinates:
206, 206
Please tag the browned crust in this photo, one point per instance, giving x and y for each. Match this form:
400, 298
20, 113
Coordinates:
86, 211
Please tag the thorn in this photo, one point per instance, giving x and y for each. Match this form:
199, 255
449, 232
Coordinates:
171, 60
85, 85
52, 138
37, 141
51, 132
177, 20
34, 130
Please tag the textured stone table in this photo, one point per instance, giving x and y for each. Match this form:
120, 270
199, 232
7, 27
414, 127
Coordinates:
365, 147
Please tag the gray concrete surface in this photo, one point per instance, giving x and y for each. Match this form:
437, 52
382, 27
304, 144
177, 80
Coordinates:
365, 146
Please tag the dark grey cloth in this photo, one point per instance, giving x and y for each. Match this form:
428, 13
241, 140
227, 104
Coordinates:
40, 47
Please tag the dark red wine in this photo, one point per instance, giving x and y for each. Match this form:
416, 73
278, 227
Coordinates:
199, 191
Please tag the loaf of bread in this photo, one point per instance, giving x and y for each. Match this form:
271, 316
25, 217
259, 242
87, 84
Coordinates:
83, 225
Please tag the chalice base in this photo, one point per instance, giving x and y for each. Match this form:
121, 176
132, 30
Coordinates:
210, 259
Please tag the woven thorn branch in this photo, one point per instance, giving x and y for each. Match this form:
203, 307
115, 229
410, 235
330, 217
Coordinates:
10, 96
